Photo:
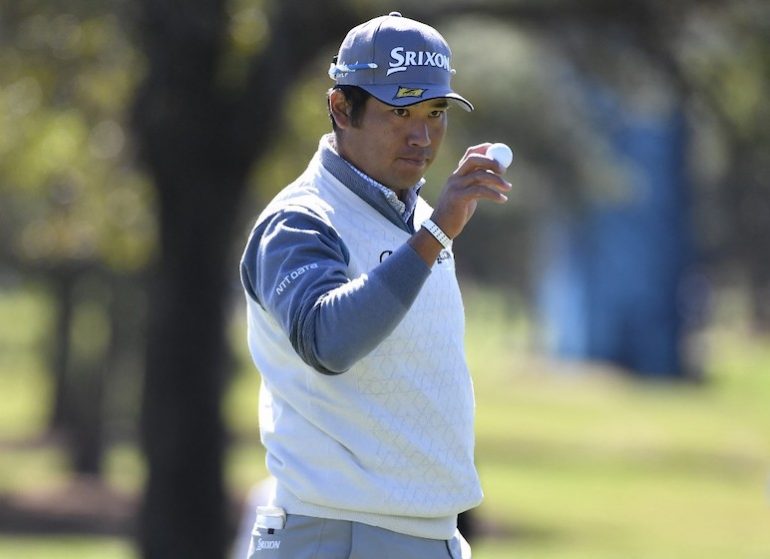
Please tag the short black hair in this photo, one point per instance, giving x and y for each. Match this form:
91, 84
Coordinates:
356, 96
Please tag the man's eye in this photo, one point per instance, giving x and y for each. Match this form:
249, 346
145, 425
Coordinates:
437, 114
401, 112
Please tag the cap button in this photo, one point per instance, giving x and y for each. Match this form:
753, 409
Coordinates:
395, 14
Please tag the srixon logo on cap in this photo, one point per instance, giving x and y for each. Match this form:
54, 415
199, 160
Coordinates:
401, 59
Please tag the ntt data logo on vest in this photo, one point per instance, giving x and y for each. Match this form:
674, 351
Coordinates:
401, 59
268, 544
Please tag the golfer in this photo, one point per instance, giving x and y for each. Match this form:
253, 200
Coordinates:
355, 319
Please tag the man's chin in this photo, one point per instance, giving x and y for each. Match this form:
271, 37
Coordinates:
409, 174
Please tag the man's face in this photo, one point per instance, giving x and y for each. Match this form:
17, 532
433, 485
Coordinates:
395, 145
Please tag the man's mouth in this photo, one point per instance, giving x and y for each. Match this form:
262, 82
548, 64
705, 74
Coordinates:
416, 160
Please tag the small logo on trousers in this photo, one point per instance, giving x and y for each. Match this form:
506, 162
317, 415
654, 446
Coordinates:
268, 544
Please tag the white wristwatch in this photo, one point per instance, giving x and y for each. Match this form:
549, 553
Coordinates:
436, 231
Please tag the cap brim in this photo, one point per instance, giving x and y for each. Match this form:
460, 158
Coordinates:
411, 94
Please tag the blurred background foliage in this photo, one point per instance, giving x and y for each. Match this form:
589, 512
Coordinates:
69, 192
82, 211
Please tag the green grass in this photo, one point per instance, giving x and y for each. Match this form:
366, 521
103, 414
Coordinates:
581, 462
23, 387
576, 462
65, 547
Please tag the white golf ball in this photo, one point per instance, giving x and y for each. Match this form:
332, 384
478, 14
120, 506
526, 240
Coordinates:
500, 153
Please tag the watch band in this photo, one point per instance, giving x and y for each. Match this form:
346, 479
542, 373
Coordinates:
436, 231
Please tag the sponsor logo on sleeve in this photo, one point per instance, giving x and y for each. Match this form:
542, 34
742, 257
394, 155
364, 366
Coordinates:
293, 276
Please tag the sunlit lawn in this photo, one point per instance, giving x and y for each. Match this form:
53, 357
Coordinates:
576, 464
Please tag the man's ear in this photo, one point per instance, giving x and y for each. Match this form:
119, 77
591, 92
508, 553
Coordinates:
339, 108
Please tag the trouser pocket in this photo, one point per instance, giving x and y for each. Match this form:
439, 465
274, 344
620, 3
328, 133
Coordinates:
267, 534
299, 537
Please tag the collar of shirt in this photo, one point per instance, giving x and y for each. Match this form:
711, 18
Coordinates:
404, 208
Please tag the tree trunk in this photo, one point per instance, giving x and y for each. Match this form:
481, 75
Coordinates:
62, 288
185, 513
94, 359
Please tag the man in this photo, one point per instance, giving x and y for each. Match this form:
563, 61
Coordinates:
355, 317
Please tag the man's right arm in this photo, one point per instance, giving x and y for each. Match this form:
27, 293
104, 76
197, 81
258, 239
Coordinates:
477, 177
296, 267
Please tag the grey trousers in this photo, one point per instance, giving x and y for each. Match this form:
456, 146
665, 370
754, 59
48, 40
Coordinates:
305, 537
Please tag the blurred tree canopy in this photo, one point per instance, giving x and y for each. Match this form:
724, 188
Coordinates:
138, 140
68, 192
713, 56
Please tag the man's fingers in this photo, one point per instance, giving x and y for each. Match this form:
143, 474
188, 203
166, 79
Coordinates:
479, 149
481, 192
478, 191
477, 161
483, 178
476, 179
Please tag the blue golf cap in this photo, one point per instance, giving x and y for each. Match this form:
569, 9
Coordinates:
398, 60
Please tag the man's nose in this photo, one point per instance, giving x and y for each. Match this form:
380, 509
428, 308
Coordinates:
419, 135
